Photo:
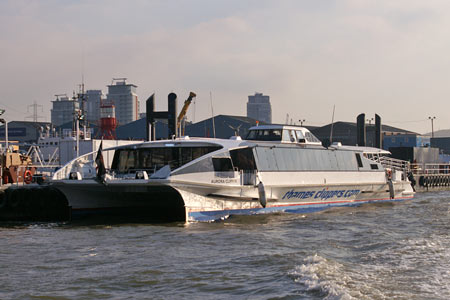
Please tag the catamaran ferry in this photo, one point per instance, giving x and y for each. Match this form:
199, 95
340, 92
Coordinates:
277, 168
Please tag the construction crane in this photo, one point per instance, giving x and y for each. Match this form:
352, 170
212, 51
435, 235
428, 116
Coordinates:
183, 112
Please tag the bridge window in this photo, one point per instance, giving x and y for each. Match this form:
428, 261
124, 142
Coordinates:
264, 135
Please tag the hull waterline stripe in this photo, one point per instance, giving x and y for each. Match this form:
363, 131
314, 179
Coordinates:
319, 203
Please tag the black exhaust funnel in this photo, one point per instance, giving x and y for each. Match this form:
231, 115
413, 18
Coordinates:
150, 121
378, 137
361, 130
170, 115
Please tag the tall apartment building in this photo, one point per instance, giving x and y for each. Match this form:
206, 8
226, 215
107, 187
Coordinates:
93, 102
63, 110
259, 108
125, 99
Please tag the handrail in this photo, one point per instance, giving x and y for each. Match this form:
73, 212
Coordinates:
393, 163
430, 168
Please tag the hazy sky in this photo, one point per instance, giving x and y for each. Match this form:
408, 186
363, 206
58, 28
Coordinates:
388, 57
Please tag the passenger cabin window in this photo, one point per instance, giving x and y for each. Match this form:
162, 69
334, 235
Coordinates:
243, 159
153, 159
222, 164
264, 135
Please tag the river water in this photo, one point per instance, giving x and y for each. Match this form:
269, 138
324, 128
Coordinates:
376, 251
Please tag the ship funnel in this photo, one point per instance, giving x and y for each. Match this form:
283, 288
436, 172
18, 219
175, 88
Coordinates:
170, 115
378, 135
361, 130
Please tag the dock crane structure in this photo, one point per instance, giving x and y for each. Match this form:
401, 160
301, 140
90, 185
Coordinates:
183, 112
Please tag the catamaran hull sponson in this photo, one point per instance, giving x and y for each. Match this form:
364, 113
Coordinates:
300, 199
187, 202
139, 202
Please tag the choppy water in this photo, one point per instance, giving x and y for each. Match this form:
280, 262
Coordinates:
389, 251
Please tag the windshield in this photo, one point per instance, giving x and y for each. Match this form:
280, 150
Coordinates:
264, 135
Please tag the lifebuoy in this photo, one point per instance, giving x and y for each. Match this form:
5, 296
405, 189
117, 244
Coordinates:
27, 177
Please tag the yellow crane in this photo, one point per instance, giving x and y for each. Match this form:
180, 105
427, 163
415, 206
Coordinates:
183, 112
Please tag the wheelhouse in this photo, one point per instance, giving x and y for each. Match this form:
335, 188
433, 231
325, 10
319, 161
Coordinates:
282, 134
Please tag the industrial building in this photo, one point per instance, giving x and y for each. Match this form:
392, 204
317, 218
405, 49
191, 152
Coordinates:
442, 143
123, 96
24, 131
259, 108
346, 133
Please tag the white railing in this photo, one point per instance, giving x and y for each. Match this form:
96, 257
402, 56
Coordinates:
431, 168
394, 164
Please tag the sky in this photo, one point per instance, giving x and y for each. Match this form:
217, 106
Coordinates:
387, 57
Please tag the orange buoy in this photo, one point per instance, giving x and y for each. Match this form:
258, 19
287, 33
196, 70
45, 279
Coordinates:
27, 177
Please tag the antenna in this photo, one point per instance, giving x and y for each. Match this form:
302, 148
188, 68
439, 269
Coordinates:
212, 114
332, 124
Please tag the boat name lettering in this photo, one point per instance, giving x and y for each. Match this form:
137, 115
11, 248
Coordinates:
322, 194
228, 180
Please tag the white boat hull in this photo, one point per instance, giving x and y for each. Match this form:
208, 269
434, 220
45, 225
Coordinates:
193, 202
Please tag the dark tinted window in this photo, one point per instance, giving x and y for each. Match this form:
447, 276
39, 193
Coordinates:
264, 135
222, 164
358, 158
152, 159
243, 159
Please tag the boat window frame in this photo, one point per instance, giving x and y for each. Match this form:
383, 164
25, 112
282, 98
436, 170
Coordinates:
222, 164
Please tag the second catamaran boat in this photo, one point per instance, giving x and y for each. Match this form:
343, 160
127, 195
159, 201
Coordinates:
276, 168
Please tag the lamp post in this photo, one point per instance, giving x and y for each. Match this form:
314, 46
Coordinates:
432, 127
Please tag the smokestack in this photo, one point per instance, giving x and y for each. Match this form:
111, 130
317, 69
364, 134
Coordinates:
150, 121
152, 115
361, 130
378, 137
172, 114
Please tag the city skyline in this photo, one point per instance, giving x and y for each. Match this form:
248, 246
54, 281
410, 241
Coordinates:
308, 56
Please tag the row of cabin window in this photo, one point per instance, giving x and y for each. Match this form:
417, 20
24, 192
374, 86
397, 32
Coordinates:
152, 159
